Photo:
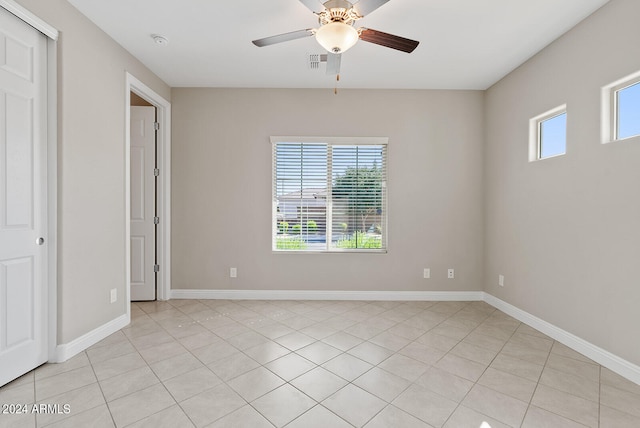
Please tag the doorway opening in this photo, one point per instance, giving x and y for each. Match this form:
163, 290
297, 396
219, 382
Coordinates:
145, 218
147, 202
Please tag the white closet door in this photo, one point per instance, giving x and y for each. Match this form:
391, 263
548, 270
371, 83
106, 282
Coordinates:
23, 198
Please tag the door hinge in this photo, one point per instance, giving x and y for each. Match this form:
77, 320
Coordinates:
156, 126
156, 268
156, 220
156, 172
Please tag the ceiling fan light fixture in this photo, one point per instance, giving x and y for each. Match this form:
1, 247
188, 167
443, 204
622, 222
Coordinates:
337, 37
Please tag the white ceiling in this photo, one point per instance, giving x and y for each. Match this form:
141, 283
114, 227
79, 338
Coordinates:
464, 44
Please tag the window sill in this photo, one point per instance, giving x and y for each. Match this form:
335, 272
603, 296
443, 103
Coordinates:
349, 251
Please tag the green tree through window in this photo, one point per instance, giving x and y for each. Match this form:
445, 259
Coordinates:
362, 189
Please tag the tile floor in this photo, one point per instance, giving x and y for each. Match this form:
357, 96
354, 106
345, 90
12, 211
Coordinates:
307, 364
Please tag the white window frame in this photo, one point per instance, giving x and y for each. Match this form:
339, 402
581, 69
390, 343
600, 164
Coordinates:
535, 135
332, 141
610, 107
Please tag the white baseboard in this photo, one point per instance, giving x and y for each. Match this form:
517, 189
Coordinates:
65, 351
605, 358
328, 295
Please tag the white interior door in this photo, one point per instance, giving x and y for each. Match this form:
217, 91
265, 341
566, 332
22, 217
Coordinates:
23, 203
143, 203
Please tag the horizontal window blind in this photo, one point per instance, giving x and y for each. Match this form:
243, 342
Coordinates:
329, 197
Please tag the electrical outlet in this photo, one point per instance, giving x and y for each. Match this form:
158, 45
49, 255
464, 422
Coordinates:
501, 280
450, 274
114, 295
233, 272
427, 273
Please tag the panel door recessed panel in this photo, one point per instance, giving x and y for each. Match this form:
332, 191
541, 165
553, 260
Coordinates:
18, 162
138, 184
137, 257
17, 285
16, 57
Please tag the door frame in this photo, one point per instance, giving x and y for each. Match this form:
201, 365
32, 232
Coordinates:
163, 242
51, 276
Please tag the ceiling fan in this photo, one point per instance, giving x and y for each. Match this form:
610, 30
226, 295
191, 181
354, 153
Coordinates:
337, 34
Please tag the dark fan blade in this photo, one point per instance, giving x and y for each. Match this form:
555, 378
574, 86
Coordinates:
283, 37
388, 40
314, 5
333, 63
365, 7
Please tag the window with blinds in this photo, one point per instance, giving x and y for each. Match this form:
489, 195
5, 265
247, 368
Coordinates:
329, 194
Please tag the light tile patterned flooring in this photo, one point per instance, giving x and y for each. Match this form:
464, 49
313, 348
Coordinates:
307, 364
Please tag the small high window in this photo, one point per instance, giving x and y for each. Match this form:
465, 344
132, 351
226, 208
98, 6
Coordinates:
621, 109
548, 134
627, 111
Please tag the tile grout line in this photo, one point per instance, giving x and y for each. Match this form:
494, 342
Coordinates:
489, 365
37, 424
318, 403
599, 395
106, 403
537, 384
152, 371
226, 382
162, 382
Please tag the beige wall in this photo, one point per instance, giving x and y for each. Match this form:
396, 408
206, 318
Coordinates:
221, 187
91, 176
565, 231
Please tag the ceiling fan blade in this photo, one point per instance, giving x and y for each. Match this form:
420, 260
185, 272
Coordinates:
365, 7
283, 37
314, 5
388, 40
333, 63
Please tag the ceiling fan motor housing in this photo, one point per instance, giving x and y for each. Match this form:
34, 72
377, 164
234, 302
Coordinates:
338, 11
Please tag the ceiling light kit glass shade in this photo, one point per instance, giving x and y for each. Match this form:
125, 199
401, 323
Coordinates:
336, 37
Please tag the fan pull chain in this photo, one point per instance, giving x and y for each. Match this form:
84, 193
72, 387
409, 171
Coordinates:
335, 90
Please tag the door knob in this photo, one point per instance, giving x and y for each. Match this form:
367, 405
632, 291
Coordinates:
40, 241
